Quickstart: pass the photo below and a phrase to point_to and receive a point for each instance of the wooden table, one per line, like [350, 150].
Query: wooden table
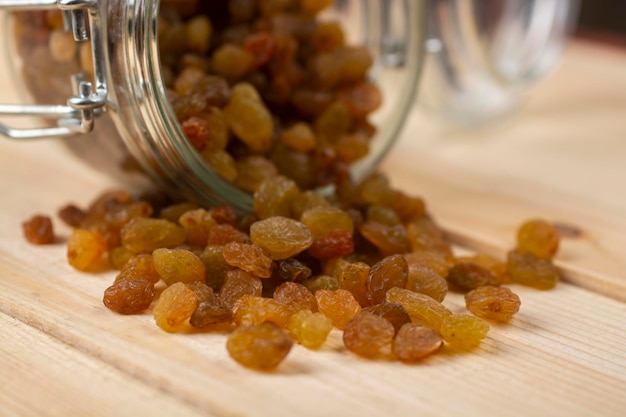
[561, 156]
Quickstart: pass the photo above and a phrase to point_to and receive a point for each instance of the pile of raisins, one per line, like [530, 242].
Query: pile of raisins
[275, 101]
[369, 261]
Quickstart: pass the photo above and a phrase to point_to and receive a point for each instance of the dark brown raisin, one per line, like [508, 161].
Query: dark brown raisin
[38, 230]
[129, 296]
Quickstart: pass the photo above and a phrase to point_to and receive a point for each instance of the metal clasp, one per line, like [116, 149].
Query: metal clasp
[77, 116]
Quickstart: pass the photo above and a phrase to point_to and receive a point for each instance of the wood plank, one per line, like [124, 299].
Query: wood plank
[67, 382]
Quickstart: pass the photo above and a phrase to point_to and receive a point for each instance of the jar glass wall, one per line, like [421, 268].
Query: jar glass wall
[141, 110]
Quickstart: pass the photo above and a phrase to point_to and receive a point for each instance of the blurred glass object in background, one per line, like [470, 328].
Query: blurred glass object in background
[482, 56]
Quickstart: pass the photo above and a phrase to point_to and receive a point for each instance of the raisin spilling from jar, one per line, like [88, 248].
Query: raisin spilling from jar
[273, 98]
[265, 277]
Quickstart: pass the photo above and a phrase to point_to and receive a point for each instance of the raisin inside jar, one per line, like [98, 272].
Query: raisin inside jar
[233, 92]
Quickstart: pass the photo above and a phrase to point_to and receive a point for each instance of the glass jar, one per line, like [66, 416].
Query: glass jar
[117, 86]
[483, 56]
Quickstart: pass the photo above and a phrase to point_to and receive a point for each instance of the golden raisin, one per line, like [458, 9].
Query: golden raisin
[425, 280]
[334, 121]
[415, 341]
[222, 163]
[196, 129]
[197, 224]
[493, 303]
[369, 335]
[178, 265]
[259, 346]
[538, 237]
[233, 62]
[144, 235]
[118, 216]
[108, 201]
[217, 129]
[274, 197]
[85, 249]
[338, 305]
[261, 46]
[375, 189]
[300, 137]
[382, 215]
[323, 219]
[248, 117]
[463, 331]
[174, 307]
[186, 80]
[408, 207]
[352, 147]
[198, 31]
[281, 236]
[309, 329]
[249, 257]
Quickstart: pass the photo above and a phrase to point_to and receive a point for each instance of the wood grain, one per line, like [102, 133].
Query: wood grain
[483, 212]
[63, 353]
[67, 382]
